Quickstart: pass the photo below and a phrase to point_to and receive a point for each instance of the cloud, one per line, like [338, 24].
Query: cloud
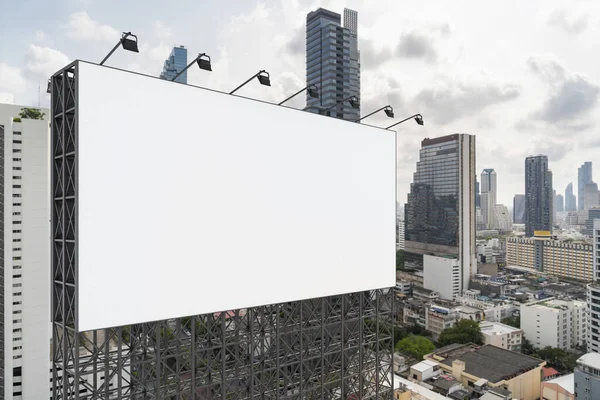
[162, 31]
[570, 95]
[297, 44]
[416, 45]
[457, 100]
[7, 98]
[11, 80]
[556, 150]
[82, 27]
[159, 52]
[43, 61]
[570, 24]
[372, 56]
[41, 37]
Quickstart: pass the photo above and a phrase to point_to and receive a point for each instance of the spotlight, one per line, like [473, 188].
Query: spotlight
[127, 43]
[202, 64]
[312, 90]
[389, 111]
[263, 78]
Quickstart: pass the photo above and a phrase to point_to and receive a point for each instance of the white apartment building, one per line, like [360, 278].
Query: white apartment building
[25, 294]
[502, 218]
[501, 335]
[400, 234]
[556, 323]
[593, 294]
[443, 275]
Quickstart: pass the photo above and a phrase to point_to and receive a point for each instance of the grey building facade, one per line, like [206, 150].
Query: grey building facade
[333, 61]
[584, 176]
[538, 195]
[587, 377]
[570, 199]
[560, 203]
[519, 209]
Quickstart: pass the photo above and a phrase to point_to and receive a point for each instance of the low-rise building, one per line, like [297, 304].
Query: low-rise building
[555, 323]
[424, 370]
[561, 388]
[492, 366]
[501, 335]
[443, 275]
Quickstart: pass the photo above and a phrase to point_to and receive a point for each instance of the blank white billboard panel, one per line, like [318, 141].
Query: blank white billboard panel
[192, 201]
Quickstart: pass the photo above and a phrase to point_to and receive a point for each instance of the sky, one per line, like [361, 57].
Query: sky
[523, 76]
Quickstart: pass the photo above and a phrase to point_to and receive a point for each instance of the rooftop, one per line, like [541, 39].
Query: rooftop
[590, 359]
[496, 328]
[549, 372]
[424, 366]
[567, 382]
[490, 362]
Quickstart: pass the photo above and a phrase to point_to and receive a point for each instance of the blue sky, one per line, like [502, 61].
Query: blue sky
[524, 76]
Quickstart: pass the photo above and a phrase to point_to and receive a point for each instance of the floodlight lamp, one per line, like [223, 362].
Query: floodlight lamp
[263, 78]
[313, 91]
[129, 44]
[204, 63]
[389, 111]
[354, 103]
[419, 119]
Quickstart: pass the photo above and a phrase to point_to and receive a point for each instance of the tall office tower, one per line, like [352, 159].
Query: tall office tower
[593, 293]
[519, 209]
[570, 199]
[25, 256]
[440, 212]
[560, 203]
[333, 62]
[488, 185]
[477, 194]
[591, 197]
[502, 218]
[176, 62]
[584, 176]
[538, 195]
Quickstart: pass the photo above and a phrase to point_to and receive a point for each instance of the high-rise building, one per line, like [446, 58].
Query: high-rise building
[25, 254]
[477, 194]
[590, 196]
[502, 219]
[333, 62]
[488, 185]
[538, 195]
[593, 293]
[519, 209]
[440, 212]
[560, 203]
[570, 199]
[176, 62]
[587, 377]
[584, 176]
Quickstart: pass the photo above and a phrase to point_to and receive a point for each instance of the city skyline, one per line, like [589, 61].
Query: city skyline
[427, 61]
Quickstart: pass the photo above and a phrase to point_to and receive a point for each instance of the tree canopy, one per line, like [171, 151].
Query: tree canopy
[400, 260]
[415, 346]
[512, 321]
[557, 358]
[464, 331]
[31, 113]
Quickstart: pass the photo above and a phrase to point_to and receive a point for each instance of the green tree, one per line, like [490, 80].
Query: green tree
[557, 358]
[526, 347]
[512, 321]
[31, 113]
[464, 331]
[400, 260]
[415, 346]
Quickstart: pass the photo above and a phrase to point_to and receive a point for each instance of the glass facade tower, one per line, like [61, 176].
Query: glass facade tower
[538, 195]
[176, 62]
[570, 200]
[333, 61]
[584, 176]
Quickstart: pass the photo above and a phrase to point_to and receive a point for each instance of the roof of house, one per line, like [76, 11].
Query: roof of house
[424, 366]
[549, 372]
[492, 363]
[590, 359]
[444, 382]
[567, 382]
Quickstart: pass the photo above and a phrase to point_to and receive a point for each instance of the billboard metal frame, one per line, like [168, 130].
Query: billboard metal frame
[336, 347]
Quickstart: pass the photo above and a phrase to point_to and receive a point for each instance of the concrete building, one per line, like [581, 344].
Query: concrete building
[400, 235]
[584, 176]
[501, 335]
[587, 377]
[333, 61]
[561, 388]
[538, 195]
[591, 197]
[502, 220]
[593, 295]
[176, 63]
[25, 293]
[555, 323]
[424, 370]
[440, 212]
[489, 197]
[551, 256]
[442, 275]
[519, 209]
[570, 199]
[559, 202]
[593, 213]
[499, 368]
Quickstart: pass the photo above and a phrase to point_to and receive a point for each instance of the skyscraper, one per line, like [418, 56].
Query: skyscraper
[519, 209]
[176, 62]
[570, 199]
[440, 212]
[560, 203]
[590, 196]
[584, 176]
[538, 195]
[488, 185]
[333, 61]
[477, 194]
[25, 254]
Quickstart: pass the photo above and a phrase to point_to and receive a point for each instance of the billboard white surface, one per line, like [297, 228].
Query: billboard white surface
[192, 201]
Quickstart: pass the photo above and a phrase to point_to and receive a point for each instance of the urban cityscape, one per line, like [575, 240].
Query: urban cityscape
[287, 240]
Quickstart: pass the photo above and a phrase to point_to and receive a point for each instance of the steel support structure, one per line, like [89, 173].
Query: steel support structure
[337, 347]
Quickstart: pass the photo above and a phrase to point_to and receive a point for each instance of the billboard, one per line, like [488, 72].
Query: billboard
[193, 201]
